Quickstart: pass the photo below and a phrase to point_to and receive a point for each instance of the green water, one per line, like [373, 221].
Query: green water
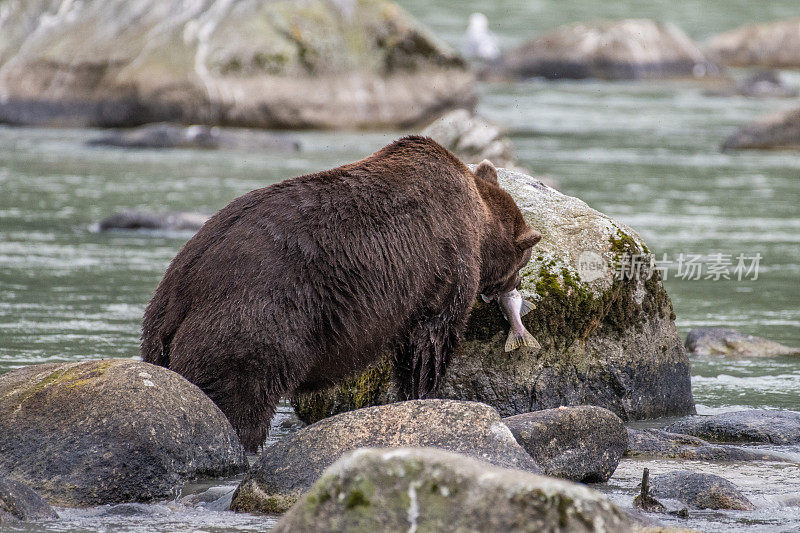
[646, 154]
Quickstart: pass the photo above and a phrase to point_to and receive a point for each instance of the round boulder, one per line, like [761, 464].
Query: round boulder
[611, 50]
[700, 491]
[289, 467]
[423, 489]
[758, 425]
[583, 443]
[18, 503]
[110, 431]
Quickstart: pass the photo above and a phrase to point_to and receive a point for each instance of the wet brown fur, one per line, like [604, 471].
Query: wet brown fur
[295, 286]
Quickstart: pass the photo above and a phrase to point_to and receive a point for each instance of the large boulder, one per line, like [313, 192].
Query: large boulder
[18, 503]
[771, 45]
[282, 63]
[657, 443]
[434, 490]
[723, 341]
[583, 443]
[289, 467]
[700, 491]
[779, 131]
[758, 425]
[110, 431]
[611, 50]
[608, 337]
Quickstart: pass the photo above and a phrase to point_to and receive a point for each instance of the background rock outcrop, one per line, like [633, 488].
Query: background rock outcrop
[611, 50]
[426, 489]
[289, 467]
[251, 63]
[608, 340]
[110, 431]
[758, 425]
[772, 45]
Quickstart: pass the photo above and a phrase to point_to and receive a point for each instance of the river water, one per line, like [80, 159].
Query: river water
[645, 153]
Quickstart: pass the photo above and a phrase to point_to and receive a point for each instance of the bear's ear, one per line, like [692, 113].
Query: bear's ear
[486, 172]
[527, 239]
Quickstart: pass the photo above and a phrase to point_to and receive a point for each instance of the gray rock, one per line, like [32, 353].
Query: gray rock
[583, 443]
[612, 50]
[110, 431]
[762, 84]
[164, 135]
[133, 219]
[473, 138]
[758, 425]
[289, 467]
[249, 63]
[18, 503]
[426, 489]
[770, 45]
[666, 445]
[780, 131]
[700, 491]
[723, 341]
[607, 340]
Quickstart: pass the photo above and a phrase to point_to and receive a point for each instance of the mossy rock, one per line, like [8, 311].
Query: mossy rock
[425, 489]
[608, 340]
[110, 431]
[281, 63]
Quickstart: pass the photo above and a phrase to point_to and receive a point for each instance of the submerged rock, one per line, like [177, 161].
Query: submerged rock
[165, 135]
[110, 431]
[758, 425]
[426, 489]
[18, 503]
[771, 45]
[666, 445]
[607, 340]
[250, 63]
[133, 219]
[583, 443]
[611, 50]
[723, 341]
[289, 467]
[780, 131]
[700, 491]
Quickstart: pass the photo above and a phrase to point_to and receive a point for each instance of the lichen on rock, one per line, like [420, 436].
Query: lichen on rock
[608, 340]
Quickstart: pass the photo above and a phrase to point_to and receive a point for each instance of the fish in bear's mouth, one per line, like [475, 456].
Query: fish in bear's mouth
[514, 307]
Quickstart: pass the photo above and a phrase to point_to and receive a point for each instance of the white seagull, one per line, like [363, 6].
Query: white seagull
[479, 42]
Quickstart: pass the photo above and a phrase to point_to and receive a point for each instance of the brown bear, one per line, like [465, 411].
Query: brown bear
[293, 287]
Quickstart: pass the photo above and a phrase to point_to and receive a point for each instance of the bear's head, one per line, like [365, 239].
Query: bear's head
[506, 246]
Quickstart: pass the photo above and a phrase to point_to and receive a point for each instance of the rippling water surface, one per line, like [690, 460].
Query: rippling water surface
[647, 154]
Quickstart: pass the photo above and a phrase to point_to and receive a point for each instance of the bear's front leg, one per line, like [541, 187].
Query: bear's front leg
[421, 359]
